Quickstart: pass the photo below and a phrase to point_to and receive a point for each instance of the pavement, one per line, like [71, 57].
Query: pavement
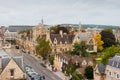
[61, 75]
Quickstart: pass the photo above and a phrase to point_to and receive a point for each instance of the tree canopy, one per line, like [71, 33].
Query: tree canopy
[79, 48]
[99, 41]
[89, 72]
[108, 38]
[23, 31]
[110, 52]
[43, 48]
[56, 29]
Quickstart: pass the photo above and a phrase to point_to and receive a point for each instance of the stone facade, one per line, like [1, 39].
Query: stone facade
[99, 72]
[12, 71]
[113, 69]
[117, 34]
[88, 37]
[63, 59]
[60, 42]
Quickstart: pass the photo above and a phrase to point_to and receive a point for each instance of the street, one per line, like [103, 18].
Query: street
[35, 64]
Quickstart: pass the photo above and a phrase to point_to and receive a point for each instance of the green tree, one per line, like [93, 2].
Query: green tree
[43, 48]
[110, 52]
[51, 59]
[23, 31]
[79, 48]
[89, 72]
[77, 76]
[108, 38]
[56, 29]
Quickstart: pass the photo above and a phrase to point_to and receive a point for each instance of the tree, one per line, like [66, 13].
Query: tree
[110, 52]
[108, 38]
[99, 41]
[23, 31]
[51, 59]
[56, 29]
[43, 48]
[89, 72]
[77, 76]
[79, 48]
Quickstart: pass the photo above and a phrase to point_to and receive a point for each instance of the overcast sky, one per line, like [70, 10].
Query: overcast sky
[30, 12]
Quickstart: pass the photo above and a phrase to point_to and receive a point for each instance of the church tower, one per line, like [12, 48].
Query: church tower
[79, 27]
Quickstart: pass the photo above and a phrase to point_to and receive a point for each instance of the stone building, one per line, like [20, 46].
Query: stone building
[60, 42]
[64, 59]
[99, 72]
[112, 70]
[117, 34]
[12, 68]
[87, 37]
[12, 31]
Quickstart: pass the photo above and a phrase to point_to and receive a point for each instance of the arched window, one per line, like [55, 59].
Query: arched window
[90, 47]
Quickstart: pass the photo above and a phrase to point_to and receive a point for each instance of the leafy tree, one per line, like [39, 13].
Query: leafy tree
[89, 72]
[43, 48]
[23, 31]
[77, 76]
[99, 41]
[79, 48]
[57, 28]
[110, 52]
[51, 59]
[108, 38]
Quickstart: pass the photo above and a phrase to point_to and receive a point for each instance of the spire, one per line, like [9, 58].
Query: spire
[79, 27]
[42, 22]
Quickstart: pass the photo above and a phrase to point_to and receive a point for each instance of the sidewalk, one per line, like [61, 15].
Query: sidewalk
[61, 75]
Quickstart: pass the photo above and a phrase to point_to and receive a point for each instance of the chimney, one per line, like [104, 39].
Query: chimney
[61, 33]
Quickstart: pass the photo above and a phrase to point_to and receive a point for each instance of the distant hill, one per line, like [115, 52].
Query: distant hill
[92, 26]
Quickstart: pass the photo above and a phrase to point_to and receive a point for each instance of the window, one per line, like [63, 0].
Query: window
[117, 75]
[11, 72]
[90, 45]
[110, 73]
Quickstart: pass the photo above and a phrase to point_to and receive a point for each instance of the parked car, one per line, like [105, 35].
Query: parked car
[32, 74]
[28, 68]
[37, 77]
[43, 65]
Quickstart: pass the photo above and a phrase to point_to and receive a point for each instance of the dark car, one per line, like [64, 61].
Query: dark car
[43, 65]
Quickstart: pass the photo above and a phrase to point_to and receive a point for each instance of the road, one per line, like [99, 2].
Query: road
[35, 64]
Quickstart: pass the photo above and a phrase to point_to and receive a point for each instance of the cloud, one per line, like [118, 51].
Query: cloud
[62, 11]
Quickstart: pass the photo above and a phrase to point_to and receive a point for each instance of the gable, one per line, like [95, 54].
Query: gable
[7, 31]
[12, 65]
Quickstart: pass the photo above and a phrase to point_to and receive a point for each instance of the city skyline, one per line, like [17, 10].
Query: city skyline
[30, 12]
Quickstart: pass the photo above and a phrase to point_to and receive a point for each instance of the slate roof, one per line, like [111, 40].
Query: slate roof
[17, 28]
[101, 68]
[3, 53]
[66, 38]
[17, 59]
[114, 62]
[73, 58]
[84, 36]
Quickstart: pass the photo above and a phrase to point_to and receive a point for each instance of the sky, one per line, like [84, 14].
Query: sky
[30, 12]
